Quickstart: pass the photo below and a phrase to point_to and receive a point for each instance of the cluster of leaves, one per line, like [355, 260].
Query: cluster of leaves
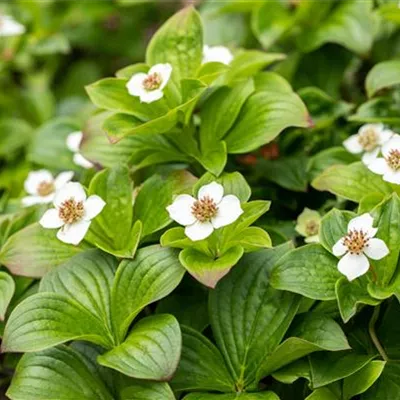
[137, 310]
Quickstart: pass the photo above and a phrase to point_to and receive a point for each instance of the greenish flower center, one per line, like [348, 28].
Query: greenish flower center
[45, 188]
[368, 139]
[152, 82]
[393, 159]
[71, 211]
[312, 228]
[356, 241]
[204, 209]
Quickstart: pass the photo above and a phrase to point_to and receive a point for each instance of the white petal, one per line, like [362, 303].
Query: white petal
[385, 135]
[213, 190]
[82, 161]
[135, 84]
[74, 140]
[370, 156]
[35, 178]
[51, 219]
[62, 179]
[229, 211]
[352, 145]
[379, 166]
[181, 210]
[363, 223]
[73, 233]
[392, 144]
[392, 177]
[164, 70]
[31, 200]
[199, 230]
[153, 95]
[93, 206]
[378, 128]
[217, 54]
[312, 239]
[376, 249]
[10, 27]
[353, 265]
[339, 248]
[72, 190]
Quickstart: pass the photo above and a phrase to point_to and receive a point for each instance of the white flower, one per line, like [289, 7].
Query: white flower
[211, 210]
[74, 140]
[73, 213]
[357, 245]
[219, 54]
[10, 27]
[42, 187]
[389, 165]
[368, 140]
[149, 87]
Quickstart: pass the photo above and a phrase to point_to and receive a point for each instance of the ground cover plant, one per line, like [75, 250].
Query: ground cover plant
[200, 200]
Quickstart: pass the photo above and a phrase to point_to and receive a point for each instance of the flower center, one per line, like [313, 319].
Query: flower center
[312, 228]
[71, 211]
[393, 159]
[204, 209]
[368, 139]
[152, 82]
[356, 241]
[45, 188]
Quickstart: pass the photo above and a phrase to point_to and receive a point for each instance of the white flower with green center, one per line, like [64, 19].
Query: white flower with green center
[211, 210]
[219, 54]
[10, 27]
[359, 244]
[149, 87]
[74, 141]
[308, 223]
[73, 213]
[42, 186]
[368, 141]
[389, 164]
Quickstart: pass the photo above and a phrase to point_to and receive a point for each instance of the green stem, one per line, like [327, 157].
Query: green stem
[372, 333]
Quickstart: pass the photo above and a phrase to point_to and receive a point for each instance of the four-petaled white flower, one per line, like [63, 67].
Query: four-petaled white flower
[308, 223]
[73, 213]
[389, 164]
[211, 210]
[149, 87]
[10, 27]
[74, 140]
[219, 54]
[357, 245]
[368, 140]
[42, 186]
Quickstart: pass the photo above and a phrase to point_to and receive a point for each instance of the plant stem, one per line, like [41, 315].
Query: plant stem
[372, 333]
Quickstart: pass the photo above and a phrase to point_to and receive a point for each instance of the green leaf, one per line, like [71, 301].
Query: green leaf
[153, 274]
[49, 148]
[7, 289]
[263, 117]
[155, 195]
[331, 367]
[309, 270]
[151, 351]
[47, 319]
[201, 366]
[208, 269]
[351, 24]
[209, 72]
[322, 394]
[362, 380]
[59, 373]
[233, 396]
[34, 251]
[293, 371]
[310, 333]
[247, 331]
[387, 386]
[112, 230]
[352, 182]
[178, 42]
[382, 109]
[22, 134]
[253, 239]
[214, 157]
[381, 76]
[147, 390]
[233, 183]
